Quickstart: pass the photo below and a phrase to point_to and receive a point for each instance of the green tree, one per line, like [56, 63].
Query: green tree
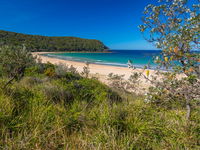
[14, 61]
[44, 43]
[174, 27]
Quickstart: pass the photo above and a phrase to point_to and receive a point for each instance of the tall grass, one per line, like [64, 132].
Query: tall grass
[78, 113]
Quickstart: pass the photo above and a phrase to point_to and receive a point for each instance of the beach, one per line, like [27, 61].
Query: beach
[100, 71]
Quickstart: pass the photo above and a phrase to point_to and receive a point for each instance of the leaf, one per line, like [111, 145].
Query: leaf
[166, 59]
[147, 73]
[176, 50]
[171, 58]
[191, 69]
[170, 49]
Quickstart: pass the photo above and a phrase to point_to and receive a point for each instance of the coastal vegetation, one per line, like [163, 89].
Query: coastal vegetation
[46, 106]
[37, 43]
[173, 26]
[54, 107]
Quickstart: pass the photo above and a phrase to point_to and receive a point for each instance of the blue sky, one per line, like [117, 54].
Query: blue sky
[115, 22]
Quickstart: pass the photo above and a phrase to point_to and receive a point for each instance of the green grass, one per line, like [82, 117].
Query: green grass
[78, 113]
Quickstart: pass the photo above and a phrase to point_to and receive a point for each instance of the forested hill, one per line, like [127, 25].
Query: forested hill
[44, 43]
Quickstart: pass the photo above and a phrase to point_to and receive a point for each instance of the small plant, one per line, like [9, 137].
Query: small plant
[50, 72]
[72, 69]
[117, 81]
[86, 70]
[131, 85]
[170, 91]
[61, 70]
[133, 82]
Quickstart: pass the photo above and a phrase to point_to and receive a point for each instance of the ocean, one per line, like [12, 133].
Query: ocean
[140, 58]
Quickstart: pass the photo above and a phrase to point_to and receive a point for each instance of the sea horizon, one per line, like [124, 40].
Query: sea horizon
[139, 58]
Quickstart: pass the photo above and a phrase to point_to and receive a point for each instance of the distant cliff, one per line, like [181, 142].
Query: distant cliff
[37, 43]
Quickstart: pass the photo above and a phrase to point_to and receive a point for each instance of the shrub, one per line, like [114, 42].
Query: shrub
[39, 117]
[21, 98]
[71, 76]
[57, 95]
[30, 81]
[50, 72]
[61, 70]
[118, 82]
[33, 70]
[91, 90]
[14, 61]
[172, 92]
[86, 70]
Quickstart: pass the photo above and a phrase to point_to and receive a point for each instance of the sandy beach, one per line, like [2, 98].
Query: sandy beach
[99, 71]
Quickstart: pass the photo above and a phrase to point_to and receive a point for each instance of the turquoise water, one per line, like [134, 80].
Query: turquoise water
[140, 58]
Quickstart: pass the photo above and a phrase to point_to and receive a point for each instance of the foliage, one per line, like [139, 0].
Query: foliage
[86, 70]
[171, 92]
[32, 118]
[173, 26]
[14, 61]
[36, 43]
[57, 94]
[61, 70]
[119, 83]
[68, 111]
[50, 72]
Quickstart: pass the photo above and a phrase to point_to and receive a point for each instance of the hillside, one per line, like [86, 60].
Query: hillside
[54, 107]
[44, 43]
[50, 107]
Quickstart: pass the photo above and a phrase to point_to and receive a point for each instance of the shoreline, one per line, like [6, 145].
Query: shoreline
[60, 52]
[99, 71]
[79, 64]
[44, 54]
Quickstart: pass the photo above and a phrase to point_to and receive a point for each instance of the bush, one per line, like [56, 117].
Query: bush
[20, 98]
[33, 71]
[71, 76]
[30, 81]
[76, 114]
[61, 70]
[67, 111]
[57, 95]
[172, 93]
[92, 90]
[14, 61]
[50, 72]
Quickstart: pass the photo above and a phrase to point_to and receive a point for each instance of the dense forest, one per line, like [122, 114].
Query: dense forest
[44, 43]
